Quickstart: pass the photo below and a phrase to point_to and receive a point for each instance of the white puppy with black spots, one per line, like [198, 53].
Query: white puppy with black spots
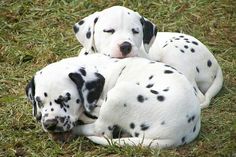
[154, 104]
[120, 32]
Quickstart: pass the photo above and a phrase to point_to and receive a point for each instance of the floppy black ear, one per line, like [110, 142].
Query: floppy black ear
[149, 33]
[30, 92]
[89, 90]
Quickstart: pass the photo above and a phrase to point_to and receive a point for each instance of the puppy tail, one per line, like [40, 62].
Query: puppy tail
[213, 89]
[132, 141]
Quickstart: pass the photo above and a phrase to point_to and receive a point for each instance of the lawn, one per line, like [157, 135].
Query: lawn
[36, 33]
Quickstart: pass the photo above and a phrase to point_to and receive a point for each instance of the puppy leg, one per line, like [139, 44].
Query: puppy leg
[85, 130]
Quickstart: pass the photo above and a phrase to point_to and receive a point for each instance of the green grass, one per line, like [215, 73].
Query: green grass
[36, 33]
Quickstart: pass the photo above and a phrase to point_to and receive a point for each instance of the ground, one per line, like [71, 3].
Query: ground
[36, 33]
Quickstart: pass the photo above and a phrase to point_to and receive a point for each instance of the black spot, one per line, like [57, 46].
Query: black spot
[154, 92]
[76, 30]
[185, 38]
[125, 105]
[95, 20]
[38, 99]
[77, 101]
[189, 120]
[160, 98]
[197, 69]
[181, 50]
[183, 139]
[50, 103]
[165, 45]
[132, 125]
[176, 38]
[110, 128]
[195, 89]
[68, 96]
[209, 63]
[138, 83]
[90, 85]
[81, 22]
[171, 40]
[166, 89]
[194, 128]
[192, 50]
[163, 122]
[62, 119]
[144, 127]
[150, 77]
[106, 98]
[194, 42]
[186, 46]
[129, 13]
[41, 72]
[140, 98]
[149, 85]
[82, 71]
[88, 34]
[117, 132]
[168, 71]
[52, 109]
[64, 109]
[136, 134]
[45, 94]
[86, 53]
[181, 36]
[92, 96]
[193, 117]
[187, 41]
[176, 46]
[152, 62]
[92, 48]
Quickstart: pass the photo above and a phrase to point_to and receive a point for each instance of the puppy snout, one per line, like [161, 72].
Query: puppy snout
[125, 48]
[50, 124]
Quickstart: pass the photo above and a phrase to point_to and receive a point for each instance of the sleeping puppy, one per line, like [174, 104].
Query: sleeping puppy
[154, 104]
[120, 32]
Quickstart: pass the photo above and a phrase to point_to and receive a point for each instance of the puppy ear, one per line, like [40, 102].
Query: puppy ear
[30, 92]
[89, 90]
[149, 33]
[84, 32]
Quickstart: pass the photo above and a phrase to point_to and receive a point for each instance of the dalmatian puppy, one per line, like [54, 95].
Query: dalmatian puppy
[155, 107]
[124, 38]
[57, 97]
[120, 32]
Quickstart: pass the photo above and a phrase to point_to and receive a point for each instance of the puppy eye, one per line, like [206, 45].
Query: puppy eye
[109, 31]
[135, 31]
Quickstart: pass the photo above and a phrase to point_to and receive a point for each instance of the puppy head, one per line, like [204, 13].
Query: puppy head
[117, 31]
[59, 95]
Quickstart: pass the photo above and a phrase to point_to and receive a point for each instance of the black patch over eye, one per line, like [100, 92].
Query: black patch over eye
[135, 31]
[109, 31]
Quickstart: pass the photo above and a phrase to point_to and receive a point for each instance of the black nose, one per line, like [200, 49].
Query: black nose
[50, 124]
[125, 48]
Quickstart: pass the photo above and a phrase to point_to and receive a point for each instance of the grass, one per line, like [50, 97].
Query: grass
[36, 33]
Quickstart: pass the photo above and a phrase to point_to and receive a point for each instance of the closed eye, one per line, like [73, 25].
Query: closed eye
[135, 31]
[109, 31]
